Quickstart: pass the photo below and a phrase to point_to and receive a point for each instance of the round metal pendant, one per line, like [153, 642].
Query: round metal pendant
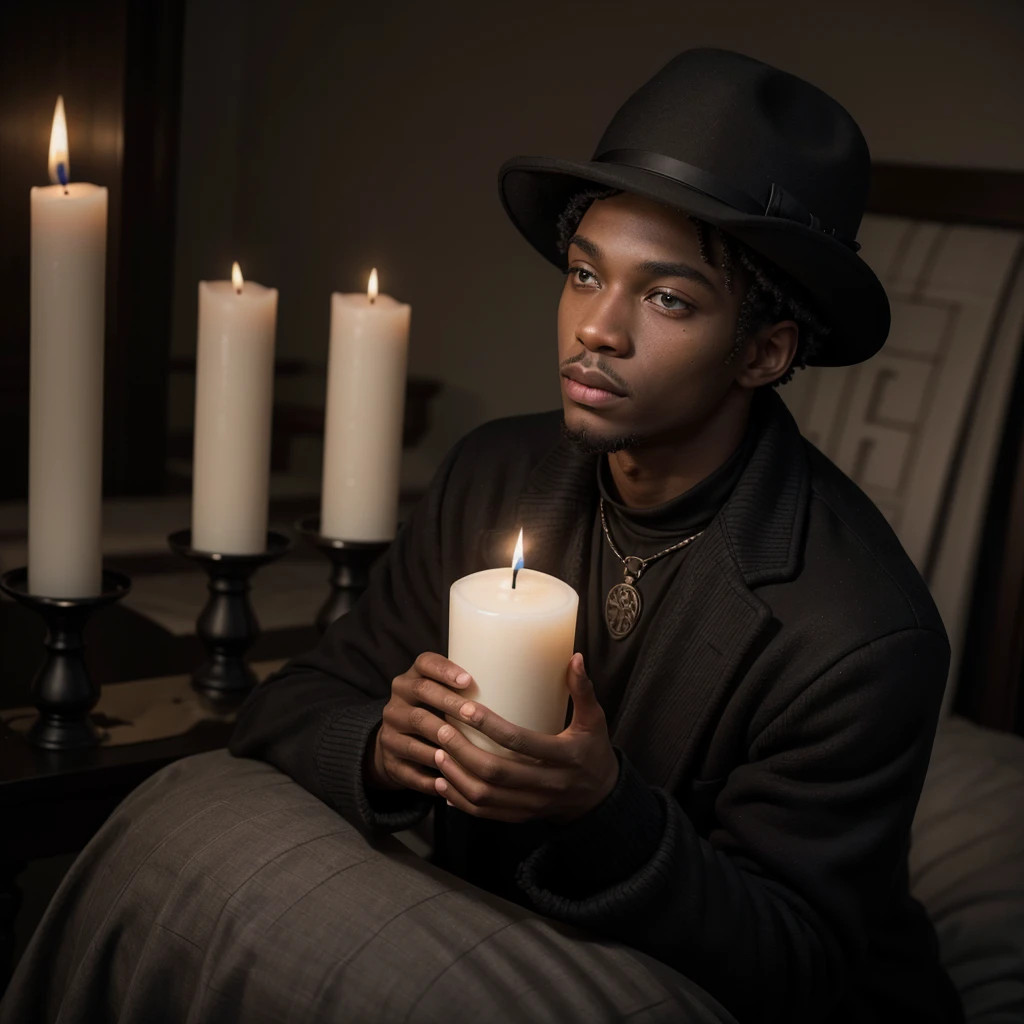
[622, 609]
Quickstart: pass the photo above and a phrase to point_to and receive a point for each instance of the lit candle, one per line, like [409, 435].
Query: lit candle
[365, 410]
[234, 397]
[65, 475]
[516, 642]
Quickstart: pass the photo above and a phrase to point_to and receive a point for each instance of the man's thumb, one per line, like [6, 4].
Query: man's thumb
[580, 685]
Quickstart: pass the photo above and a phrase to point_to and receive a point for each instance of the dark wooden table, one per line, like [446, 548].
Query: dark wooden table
[53, 803]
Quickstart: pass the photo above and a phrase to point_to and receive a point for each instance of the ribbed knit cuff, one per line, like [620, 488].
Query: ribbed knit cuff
[604, 847]
[340, 754]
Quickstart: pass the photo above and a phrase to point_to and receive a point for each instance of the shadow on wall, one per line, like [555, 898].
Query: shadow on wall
[453, 414]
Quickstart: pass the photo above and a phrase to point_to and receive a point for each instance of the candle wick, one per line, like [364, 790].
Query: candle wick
[373, 299]
[515, 573]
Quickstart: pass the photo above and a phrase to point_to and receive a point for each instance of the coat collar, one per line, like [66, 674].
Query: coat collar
[710, 621]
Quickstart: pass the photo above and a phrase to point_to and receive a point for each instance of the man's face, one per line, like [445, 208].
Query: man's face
[643, 314]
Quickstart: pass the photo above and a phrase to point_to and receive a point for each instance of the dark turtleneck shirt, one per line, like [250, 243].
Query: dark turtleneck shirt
[643, 532]
[488, 852]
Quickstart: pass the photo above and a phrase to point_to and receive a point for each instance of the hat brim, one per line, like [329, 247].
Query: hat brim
[846, 292]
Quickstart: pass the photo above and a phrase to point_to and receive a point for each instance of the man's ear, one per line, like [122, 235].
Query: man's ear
[767, 354]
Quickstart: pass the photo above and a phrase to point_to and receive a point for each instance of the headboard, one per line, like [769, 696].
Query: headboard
[953, 195]
[989, 679]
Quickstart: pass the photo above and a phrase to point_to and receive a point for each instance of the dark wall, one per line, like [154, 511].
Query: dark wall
[117, 64]
[320, 139]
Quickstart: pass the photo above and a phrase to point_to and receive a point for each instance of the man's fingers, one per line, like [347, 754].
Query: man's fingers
[411, 775]
[437, 666]
[483, 793]
[404, 747]
[587, 712]
[539, 745]
[423, 691]
[459, 801]
[496, 769]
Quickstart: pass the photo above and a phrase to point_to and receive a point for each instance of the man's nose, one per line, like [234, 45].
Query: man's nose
[604, 327]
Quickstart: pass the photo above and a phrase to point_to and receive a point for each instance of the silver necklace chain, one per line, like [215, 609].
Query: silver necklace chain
[640, 563]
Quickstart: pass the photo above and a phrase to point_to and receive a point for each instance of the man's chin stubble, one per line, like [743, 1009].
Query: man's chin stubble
[590, 443]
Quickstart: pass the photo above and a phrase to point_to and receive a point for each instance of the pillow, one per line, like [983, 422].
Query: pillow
[967, 865]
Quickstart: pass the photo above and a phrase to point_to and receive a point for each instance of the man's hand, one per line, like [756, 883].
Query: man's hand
[402, 756]
[573, 773]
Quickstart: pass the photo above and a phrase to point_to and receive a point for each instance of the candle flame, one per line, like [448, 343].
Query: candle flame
[58, 164]
[371, 288]
[517, 558]
[237, 280]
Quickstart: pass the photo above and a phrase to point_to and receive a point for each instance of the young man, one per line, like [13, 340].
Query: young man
[760, 666]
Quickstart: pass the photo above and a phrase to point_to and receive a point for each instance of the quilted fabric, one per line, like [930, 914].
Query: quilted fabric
[967, 865]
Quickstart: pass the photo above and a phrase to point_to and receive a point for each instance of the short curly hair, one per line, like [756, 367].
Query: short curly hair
[771, 295]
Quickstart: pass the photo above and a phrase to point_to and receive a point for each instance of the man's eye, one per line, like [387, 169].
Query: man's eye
[582, 276]
[669, 301]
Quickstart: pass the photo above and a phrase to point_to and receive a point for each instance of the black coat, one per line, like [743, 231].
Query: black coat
[773, 738]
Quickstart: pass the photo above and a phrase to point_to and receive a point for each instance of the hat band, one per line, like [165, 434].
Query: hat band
[779, 203]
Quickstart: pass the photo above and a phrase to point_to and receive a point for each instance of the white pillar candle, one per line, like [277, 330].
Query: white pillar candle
[365, 411]
[234, 398]
[65, 475]
[516, 643]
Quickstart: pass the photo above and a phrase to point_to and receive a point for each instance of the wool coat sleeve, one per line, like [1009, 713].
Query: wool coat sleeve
[315, 718]
[808, 841]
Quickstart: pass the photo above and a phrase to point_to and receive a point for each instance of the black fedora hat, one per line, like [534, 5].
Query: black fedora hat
[762, 154]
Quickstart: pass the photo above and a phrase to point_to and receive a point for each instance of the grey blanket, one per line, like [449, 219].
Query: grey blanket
[221, 891]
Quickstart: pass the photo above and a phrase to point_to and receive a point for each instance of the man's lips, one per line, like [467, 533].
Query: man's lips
[585, 395]
[593, 379]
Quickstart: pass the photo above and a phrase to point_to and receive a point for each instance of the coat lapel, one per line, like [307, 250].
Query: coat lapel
[703, 631]
[711, 622]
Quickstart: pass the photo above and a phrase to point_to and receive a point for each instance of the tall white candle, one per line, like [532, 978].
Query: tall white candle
[65, 475]
[516, 643]
[234, 397]
[365, 411]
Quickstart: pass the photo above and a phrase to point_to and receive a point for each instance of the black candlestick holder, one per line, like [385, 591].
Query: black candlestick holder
[350, 568]
[62, 689]
[227, 625]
